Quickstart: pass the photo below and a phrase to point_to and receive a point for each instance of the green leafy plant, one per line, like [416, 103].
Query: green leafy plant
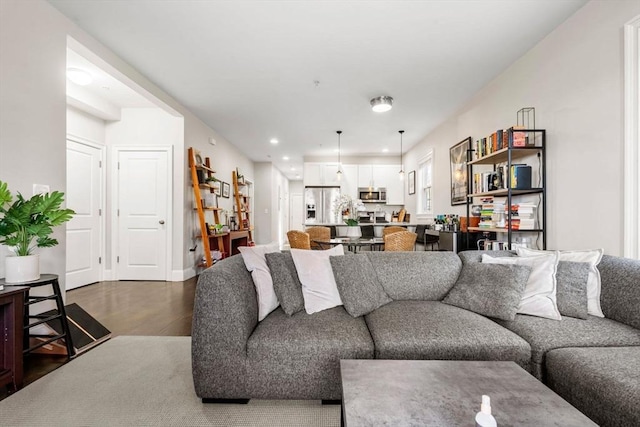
[351, 222]
[26, 220]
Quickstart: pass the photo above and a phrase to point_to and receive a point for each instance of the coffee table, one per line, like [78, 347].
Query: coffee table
[448, 393]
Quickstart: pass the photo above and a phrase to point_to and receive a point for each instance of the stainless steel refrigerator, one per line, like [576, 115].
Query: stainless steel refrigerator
[319, 204]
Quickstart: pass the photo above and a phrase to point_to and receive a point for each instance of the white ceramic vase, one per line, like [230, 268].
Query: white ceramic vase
[354, 232]
[20, 269]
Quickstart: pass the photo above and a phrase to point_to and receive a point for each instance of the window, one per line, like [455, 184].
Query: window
[425, 186]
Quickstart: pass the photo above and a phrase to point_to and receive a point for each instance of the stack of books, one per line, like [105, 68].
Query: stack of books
[486, 214]
[523, 216]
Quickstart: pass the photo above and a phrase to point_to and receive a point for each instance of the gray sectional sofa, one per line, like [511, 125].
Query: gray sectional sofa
[592, 363]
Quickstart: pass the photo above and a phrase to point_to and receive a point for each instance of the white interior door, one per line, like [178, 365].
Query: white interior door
[296, 212]
[84, 196]
[144, 193]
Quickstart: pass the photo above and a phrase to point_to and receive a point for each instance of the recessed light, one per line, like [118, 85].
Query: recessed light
[273, 141]
[292, 169]
[285, 157]
[297, 176]
[79, 77]
[385, 150]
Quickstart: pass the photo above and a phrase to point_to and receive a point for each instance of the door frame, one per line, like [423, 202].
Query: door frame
[103, 197]
[631, 199]
[115, 226]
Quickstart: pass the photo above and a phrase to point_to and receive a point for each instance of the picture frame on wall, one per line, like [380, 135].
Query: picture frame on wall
[226, 188]
[458, 157]
[412, 182]
[217, 190]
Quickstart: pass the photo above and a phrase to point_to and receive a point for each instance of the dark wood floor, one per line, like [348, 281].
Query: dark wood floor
[125, 308]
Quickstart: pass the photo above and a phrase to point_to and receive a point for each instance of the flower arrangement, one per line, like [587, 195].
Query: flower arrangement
[348, 209]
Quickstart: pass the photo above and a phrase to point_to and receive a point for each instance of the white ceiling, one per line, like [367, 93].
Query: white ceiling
[300, 70]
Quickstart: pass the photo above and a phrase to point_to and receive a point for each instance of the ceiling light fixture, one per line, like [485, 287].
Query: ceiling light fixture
[380, 104]
[339, 173]
[273, 141]
[401, 173]
[285, 157]
[79, 77]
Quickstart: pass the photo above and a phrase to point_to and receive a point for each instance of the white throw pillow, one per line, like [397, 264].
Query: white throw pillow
[319, 288]
[594, 283]
[254, 259]
[539, 297]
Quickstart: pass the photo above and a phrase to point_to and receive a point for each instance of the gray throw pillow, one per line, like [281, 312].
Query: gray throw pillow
[493, 290]
[571, 294]
[286, 284]
[360, 290]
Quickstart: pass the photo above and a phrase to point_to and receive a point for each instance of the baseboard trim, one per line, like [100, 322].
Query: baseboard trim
[108, 275]
[182, 275]
[331, 402]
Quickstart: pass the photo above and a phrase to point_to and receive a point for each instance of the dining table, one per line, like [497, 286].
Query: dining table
[352, 244]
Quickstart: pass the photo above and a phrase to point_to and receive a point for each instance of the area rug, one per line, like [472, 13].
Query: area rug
[144, 381]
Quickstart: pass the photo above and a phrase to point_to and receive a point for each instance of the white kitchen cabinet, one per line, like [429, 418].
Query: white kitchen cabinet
[330, 175]
[312, 174]
[321, 174]
[365, 176]
[349, 184]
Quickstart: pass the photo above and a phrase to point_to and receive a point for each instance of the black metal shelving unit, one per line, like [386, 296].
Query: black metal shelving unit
[535, 147]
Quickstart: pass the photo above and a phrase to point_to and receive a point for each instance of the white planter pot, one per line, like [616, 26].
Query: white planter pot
[354, 232]
[20, 269]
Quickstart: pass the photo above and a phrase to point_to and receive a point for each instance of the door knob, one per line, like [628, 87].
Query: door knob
[161, 222]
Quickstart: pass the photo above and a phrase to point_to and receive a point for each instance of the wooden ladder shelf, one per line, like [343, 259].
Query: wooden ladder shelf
[242, 206]
[207, 172]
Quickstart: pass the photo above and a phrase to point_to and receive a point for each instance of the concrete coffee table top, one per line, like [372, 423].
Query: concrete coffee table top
[448, 393]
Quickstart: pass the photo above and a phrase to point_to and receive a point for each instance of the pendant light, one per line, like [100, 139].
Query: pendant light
[401, 173]
[339, 173]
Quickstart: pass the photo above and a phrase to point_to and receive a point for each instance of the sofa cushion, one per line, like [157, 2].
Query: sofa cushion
[492, 290]
[319, 287]
[433, 330]
[539, 297]
[603, 383]
[545, 335]
[416, 275]
[359, 288]
[594, 282]
[572, 278]
[285, 281]
[468, 257]
[254, 259]
[283, 349]
[620, 293]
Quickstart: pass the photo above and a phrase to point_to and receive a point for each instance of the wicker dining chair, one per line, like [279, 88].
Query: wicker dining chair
[400, 241]
[318, 233]
[298, 239]
[392, 229]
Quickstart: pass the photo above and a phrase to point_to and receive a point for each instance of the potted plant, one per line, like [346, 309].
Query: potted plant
[26, 224]
[349, 208]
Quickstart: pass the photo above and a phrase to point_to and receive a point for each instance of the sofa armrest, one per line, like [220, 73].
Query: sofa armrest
[225, 313]
[620, 293]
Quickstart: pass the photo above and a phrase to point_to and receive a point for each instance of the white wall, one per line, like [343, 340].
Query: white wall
[33, 110]
[574, 80]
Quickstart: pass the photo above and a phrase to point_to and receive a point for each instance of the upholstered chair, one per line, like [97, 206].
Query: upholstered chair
[318, 233]
[400, 241]
[299, 239]
[392, 229]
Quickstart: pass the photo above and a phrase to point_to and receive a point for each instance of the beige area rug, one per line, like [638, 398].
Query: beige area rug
[144, 381]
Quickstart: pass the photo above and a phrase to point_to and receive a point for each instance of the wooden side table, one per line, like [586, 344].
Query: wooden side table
[11, 331]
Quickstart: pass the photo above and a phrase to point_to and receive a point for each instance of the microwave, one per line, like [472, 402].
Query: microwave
[374, 195]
